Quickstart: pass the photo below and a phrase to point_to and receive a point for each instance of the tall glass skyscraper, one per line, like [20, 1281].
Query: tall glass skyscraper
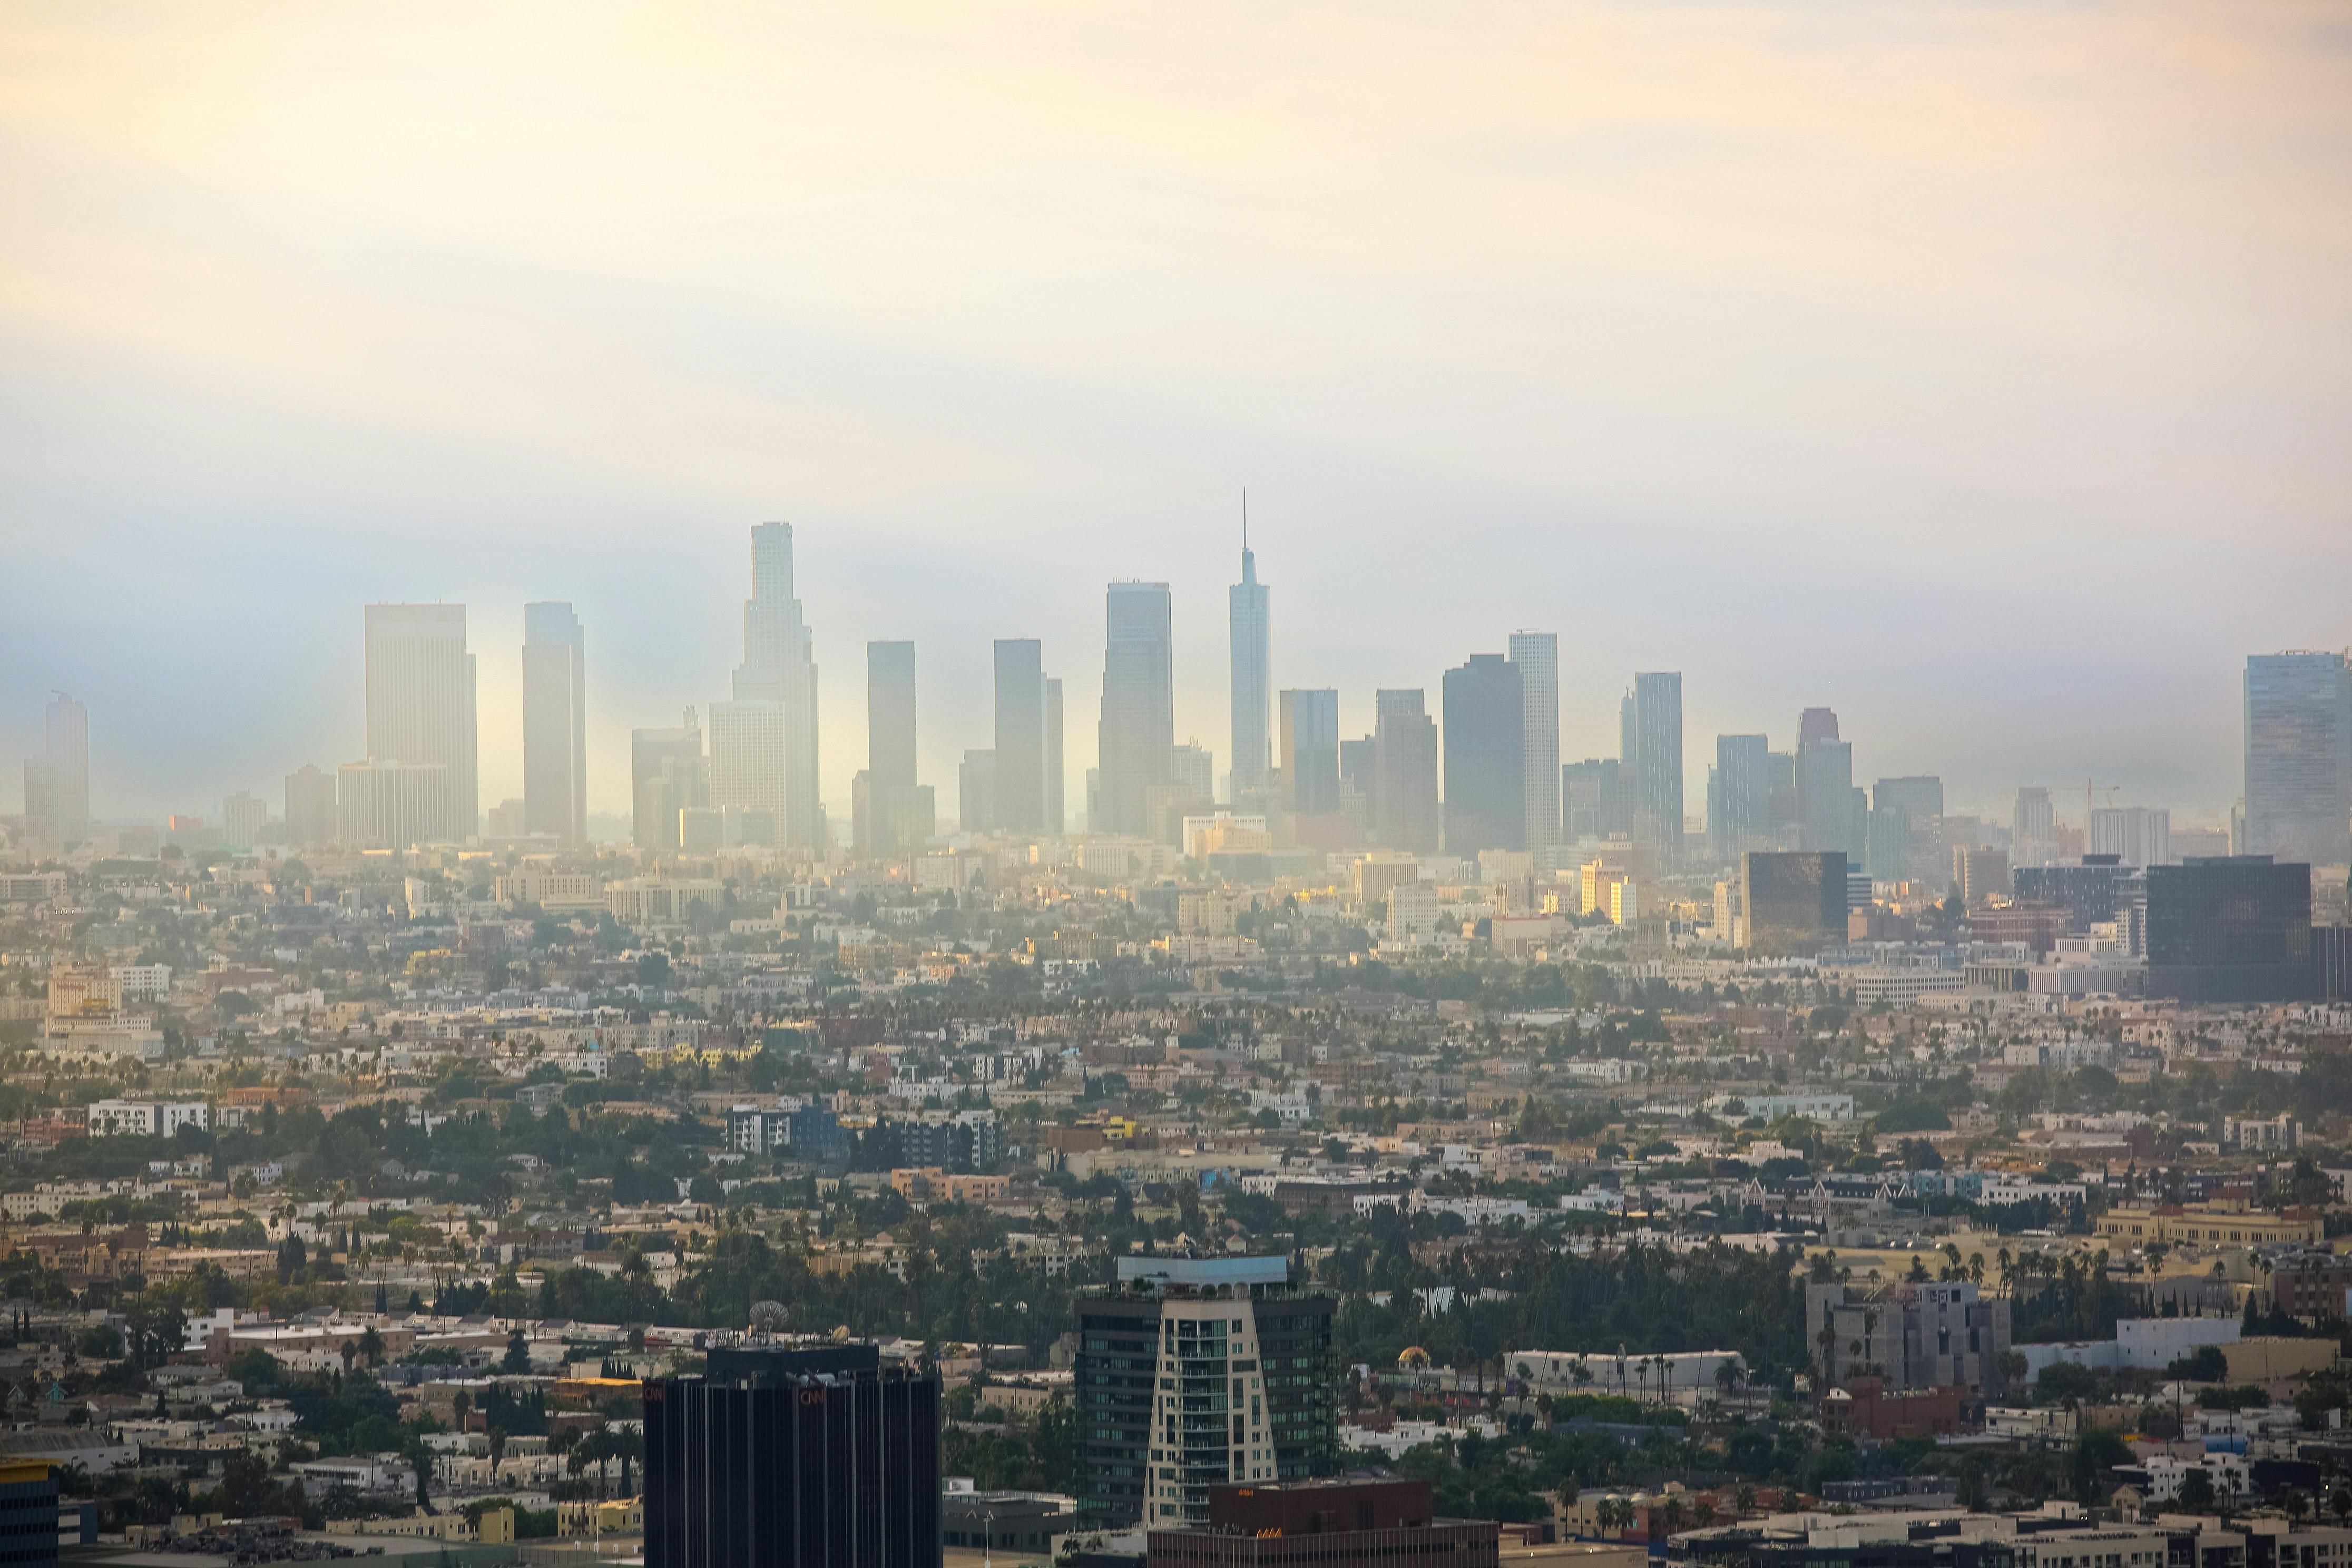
[890, 813]
[1138, 728]
[2299, 757]
[1536, 657]
[1485, 741]
[764, 744]
[1310, 751]
[1824, 783]
[554, 724]
[1739, 793]
[1020, 735]
[420, 709]
[1252, 676]
[57, 783]
[1657, 762]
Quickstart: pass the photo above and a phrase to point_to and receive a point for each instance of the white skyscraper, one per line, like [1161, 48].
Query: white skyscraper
[1252, 685]
[763, 751]
[1537, 654]
[420, 709]
[554, 724]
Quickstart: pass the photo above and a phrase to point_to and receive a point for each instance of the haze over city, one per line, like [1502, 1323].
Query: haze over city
[1975, 372]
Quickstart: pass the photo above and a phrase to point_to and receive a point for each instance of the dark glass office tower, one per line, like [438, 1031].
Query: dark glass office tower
[1196, 1372]
[1485, 745]
[793, 1458]
[2230, 928]
[2299, 756]
[1020, 735]
[1657, 762]
[1794, 902]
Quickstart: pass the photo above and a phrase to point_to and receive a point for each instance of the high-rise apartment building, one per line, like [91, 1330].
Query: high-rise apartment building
[390, 806]
[1020, 735]
[1536, 655]
[1657, 763]
[891, 816]
[1485, 751]
[242, 817]
[554, 724]
[2134, 835]
[1252, 676]
[2033, 827]
[420, 709]
[1738, 795]
[1309, 750]
[1824, 785]
[667, 774]
[309, 806]
[794, 1458]
[1138, 728]
[1405, 813]
[1197, 1372]
[2299, 757]
[764, 744]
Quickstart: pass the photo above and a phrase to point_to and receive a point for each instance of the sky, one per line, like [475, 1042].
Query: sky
[1980, 371]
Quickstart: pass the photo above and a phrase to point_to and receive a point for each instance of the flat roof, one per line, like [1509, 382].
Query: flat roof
[1206, 1270]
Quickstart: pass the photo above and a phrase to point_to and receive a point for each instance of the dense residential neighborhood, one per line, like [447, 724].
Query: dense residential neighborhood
[359, 1193]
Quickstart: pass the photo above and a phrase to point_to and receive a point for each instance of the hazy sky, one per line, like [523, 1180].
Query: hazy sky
[1981, 371]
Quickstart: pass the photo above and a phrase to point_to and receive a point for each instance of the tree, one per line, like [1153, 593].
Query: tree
[517, 1356]
[372, 1346]
[420, 1459]
[2196, 1491]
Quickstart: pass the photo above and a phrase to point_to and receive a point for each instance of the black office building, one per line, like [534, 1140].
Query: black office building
[1794, 901]
[28, 1513]
[2229, 928]
[793, 1458]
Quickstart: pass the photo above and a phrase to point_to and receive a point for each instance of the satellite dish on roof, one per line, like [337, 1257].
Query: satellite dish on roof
[768, 1318]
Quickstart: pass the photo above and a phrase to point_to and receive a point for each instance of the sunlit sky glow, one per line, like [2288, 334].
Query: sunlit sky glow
[1981, 371]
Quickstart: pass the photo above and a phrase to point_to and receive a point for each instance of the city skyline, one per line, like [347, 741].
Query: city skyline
[1787, 358]
[776, 628]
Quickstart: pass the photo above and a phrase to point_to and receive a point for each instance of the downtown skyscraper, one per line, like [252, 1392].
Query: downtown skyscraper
[1252, 676]
[57, 783]
[1656, 762]
[1486, 741]
[2299, 757]
[1023, 751]
[1405, 813]
[420, 717]
[1137, 735]
[554, 724]
[891, 816]
[1536, 655]
[764, 744]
